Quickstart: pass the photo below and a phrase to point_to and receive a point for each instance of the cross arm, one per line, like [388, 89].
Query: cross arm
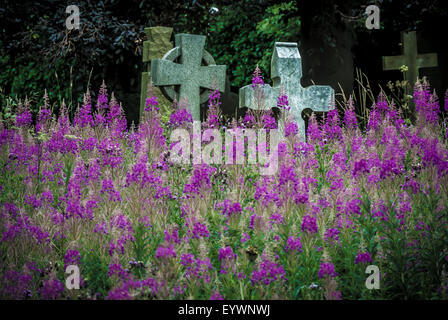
[319, 98]
[165, 73]
[249, 97]
[208, 75]
[427, 60]
[393, 62]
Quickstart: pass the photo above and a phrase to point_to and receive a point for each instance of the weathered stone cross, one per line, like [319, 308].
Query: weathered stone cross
[286, 72]
[410, 58]
[189, 74]
[158, 43]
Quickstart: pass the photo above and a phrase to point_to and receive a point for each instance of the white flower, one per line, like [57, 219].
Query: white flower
[313, 286]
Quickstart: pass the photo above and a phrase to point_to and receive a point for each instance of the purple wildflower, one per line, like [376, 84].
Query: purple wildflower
[245, 237]
[196, 268]
[173, 237]
[151, 104]
[228, 208]
[15, 285]
[446, 100]
[269, 122]
[255, 221]
[249, 119]
[382, 105]
[180, 117]
[293, 245]
[165, 252]
[309, 224]
[227, 257]
[72, 257]
[102, 98]
[267, 272]
[363, 258]
[313, 132]
[216, 296]
[257, 79]
[332, 235]
[327, 268]
[24, 119]
[350, 120]
[108, 188]
[117, 270]
[291, 129]
[52, 289]
[200, 230]
[213, 98]
[282, 102]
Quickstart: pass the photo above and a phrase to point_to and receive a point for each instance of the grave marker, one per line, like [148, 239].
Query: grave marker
[189, 74]
[410, 58]
[158, 43]
[286, 73]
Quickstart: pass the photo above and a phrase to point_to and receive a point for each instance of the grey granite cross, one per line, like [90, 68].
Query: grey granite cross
[189, 73]
[286, 72]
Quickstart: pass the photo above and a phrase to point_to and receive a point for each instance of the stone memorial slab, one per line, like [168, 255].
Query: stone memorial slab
[286, 73]
[158, 43]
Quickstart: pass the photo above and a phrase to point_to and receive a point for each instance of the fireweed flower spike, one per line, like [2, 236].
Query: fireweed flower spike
[151, 102]
[213, 111]
[446, 100]
[309, 224]
[327, 269]
[363, 258]
[102, 102]
[350, 120]
[282, 100]
[257, 79]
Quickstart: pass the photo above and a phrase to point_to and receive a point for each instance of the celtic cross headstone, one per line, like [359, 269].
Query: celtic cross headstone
[286, 73]
[189, 74]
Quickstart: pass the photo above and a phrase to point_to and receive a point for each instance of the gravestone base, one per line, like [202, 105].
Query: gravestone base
[164, 103]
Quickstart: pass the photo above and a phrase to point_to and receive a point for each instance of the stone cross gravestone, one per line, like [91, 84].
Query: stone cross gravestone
[189, 74]
[286, 73]
[158, 43]
[410, 58]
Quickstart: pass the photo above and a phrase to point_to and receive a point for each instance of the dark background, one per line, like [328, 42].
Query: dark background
[37, 52]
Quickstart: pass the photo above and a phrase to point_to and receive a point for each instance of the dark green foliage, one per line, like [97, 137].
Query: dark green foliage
[415, 262]
[94, 271]
[141, 249]
[242, 35]
[37, 51]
